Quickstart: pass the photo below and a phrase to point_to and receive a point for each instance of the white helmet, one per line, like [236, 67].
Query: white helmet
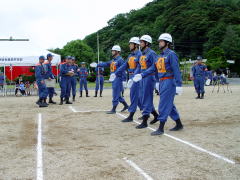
[116, 48]
[146, 38]
[166, 37]
[134, 40]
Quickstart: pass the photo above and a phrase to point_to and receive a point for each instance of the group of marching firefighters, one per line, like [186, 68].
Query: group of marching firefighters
[145, 68]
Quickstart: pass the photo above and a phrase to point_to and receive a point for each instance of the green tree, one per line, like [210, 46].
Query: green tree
[216, 58]
[231, 44]
[80, 50]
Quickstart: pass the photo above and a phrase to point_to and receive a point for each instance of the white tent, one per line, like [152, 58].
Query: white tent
[22, 53]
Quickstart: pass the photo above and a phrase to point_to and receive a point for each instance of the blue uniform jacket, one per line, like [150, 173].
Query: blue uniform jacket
[64, 69]
[146, 60]
[40, 72]
[199, 70]
[75, 69]
[114, 64]
[99, 71]
[131, 63]
[48, 69]
[166, 65]
[83, 73]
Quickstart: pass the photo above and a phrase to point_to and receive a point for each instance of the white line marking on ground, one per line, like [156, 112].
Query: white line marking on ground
[71, 108]
[189, 144]
[74, 110]
[39, 149]
[138, 169]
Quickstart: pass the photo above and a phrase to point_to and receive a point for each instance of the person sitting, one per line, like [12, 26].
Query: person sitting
[22, 88]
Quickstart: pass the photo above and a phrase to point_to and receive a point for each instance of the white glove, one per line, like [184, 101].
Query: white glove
[124, 84]
[129, 83]
[137, 77]
[157, 86]
[93, 65]
[112, 77]
[179, 90]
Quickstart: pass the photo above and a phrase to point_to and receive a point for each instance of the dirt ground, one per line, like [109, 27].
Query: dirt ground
[92, 145]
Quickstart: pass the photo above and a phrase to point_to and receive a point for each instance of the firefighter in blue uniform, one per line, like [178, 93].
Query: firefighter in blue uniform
[131, 66]
[167, 67]
[99, 80]
[66, 72]
[146, 60]
[40, 73]
[49, 75]
[74, 78]
[83, 74]
[114, 64]
[199, 73]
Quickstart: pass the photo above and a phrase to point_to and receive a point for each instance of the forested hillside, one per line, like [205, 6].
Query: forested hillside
[199, 27]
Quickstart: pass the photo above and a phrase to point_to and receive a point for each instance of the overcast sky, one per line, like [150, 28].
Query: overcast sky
[52, 23]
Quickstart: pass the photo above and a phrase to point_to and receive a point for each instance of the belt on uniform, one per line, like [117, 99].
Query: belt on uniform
[131, 72]
[164, 78]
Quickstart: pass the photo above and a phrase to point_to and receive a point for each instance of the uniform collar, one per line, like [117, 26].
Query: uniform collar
[146, 51]
[116, 58]
[166, 51]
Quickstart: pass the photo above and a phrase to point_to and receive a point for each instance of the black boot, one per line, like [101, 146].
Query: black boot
[155, 114]
[96, 93]
[113, 111]
[67, 101]
[100, 93]
[51, 101]
[87, 94]
[80, 94]
[198, 97]
[160, 130]
[45, 101]
[129, 118]
[144, 122]
[42, 104]
[73, 98]
[61, 101]
[38, 101]
[202, 96]
[178, 126]
[125, 106]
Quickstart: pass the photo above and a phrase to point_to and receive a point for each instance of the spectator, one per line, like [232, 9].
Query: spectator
[1, 80]
[16, 89]
[22, 88]
[27, 85]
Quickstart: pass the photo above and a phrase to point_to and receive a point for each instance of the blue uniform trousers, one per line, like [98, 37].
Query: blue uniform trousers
[99, 81]
[166, 106]
[135, 97]
[65, 87]
[73, 85]
[42, 90]
[199, 84]
[147, 94]
[50, 91]
[116, 92]
[83, 83]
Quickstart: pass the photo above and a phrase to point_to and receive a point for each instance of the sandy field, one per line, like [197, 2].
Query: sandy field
[78, 145]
